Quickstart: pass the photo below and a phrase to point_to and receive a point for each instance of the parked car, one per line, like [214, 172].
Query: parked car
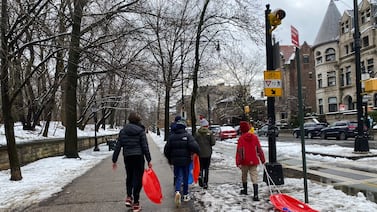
[263, 131]
[237, 128]
[311, 130]
[227, 132]
[214, 128]
[341, 130]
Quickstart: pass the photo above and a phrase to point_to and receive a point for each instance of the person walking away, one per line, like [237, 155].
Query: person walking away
[248, 151]
[132, 139]
[206, 140]
[178, 150]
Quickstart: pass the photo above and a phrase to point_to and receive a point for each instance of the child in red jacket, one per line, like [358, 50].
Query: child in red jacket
[248, 151]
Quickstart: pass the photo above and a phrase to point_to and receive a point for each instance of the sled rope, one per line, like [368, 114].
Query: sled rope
[269, 179]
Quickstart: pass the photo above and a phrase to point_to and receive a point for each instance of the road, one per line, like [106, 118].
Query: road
[326, 142]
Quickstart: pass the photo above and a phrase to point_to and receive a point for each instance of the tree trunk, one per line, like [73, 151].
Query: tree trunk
[5, 97]
[197, 66]
[167, 121]
[70, 147]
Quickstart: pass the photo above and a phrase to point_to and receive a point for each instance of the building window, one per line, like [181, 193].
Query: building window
[305, 58]
[348, 76]
[365, 41]
[365, 16]
[310, 75]
[330, 54]
[346, 49]
[319, 80]
[341, 78]
[318, 58]
[352, 47]
[333, 105]
[345, 27]
[331, 78]
[320, 106]
[349, 103]
[370, 67]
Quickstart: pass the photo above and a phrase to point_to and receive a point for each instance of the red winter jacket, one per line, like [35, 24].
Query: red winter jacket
[248, 150]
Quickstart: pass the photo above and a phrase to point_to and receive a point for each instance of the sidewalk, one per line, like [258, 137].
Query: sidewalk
[102, 190]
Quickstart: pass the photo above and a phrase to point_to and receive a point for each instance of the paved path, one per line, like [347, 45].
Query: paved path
[102, 190]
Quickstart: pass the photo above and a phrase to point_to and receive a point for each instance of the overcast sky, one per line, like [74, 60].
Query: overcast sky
[305, 15]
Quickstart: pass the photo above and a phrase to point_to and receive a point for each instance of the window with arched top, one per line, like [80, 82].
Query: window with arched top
[330, 54]
[349, 103]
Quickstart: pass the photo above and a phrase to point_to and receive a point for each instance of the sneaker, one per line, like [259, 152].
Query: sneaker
[136, 207]
[177, 199]
[128, 201]
[205, 186]
[186, 198]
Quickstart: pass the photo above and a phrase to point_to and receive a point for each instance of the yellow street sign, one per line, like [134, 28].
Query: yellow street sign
[272, 92]
[272, 75]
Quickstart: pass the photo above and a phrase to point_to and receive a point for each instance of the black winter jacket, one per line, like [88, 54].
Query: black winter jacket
[179, 148]
[134, 142]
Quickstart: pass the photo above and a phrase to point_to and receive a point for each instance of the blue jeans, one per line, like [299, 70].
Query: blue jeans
[181, 173]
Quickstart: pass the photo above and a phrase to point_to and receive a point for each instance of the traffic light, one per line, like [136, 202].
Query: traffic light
[275, 18]
[247, 109]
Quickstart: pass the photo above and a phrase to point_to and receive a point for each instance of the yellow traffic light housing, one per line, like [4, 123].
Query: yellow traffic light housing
[275, 18]
[247, 109]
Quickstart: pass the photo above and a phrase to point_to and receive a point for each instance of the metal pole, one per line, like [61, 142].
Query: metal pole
[209, 109]
[301, 121]
[95, 131]
[361, 141]
[274, 169]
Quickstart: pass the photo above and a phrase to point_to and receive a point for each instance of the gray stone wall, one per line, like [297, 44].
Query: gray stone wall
[35, 150]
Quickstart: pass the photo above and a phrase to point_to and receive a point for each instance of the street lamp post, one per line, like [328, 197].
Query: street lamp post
[361, 140]
[94, 110]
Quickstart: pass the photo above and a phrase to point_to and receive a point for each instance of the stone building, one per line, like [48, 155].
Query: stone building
[335, 60]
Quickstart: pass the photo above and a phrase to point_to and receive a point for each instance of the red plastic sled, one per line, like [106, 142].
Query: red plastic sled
[283, 202]
[196, 169]
[151, 186]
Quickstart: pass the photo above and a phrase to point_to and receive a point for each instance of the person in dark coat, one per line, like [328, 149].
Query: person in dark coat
[178, 150]
[133, 140]
[206, 140]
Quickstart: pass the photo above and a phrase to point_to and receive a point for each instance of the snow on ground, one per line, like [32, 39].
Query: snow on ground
[43, 178]
[226, 197]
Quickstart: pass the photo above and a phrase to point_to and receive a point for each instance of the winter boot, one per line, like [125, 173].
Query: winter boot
[200, 180]
[255, 188]
[244, 190]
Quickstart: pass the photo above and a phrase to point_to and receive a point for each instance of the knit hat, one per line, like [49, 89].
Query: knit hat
[244, 126]
[203, 123]
[177, 118]
[181, 122]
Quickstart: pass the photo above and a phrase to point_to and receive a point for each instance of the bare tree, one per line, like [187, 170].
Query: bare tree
[170, 24]
[216, 21]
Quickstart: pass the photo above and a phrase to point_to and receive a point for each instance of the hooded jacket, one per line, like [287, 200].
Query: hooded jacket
[180, 146]
[134, 142]
[206, 140]
[248, 150]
